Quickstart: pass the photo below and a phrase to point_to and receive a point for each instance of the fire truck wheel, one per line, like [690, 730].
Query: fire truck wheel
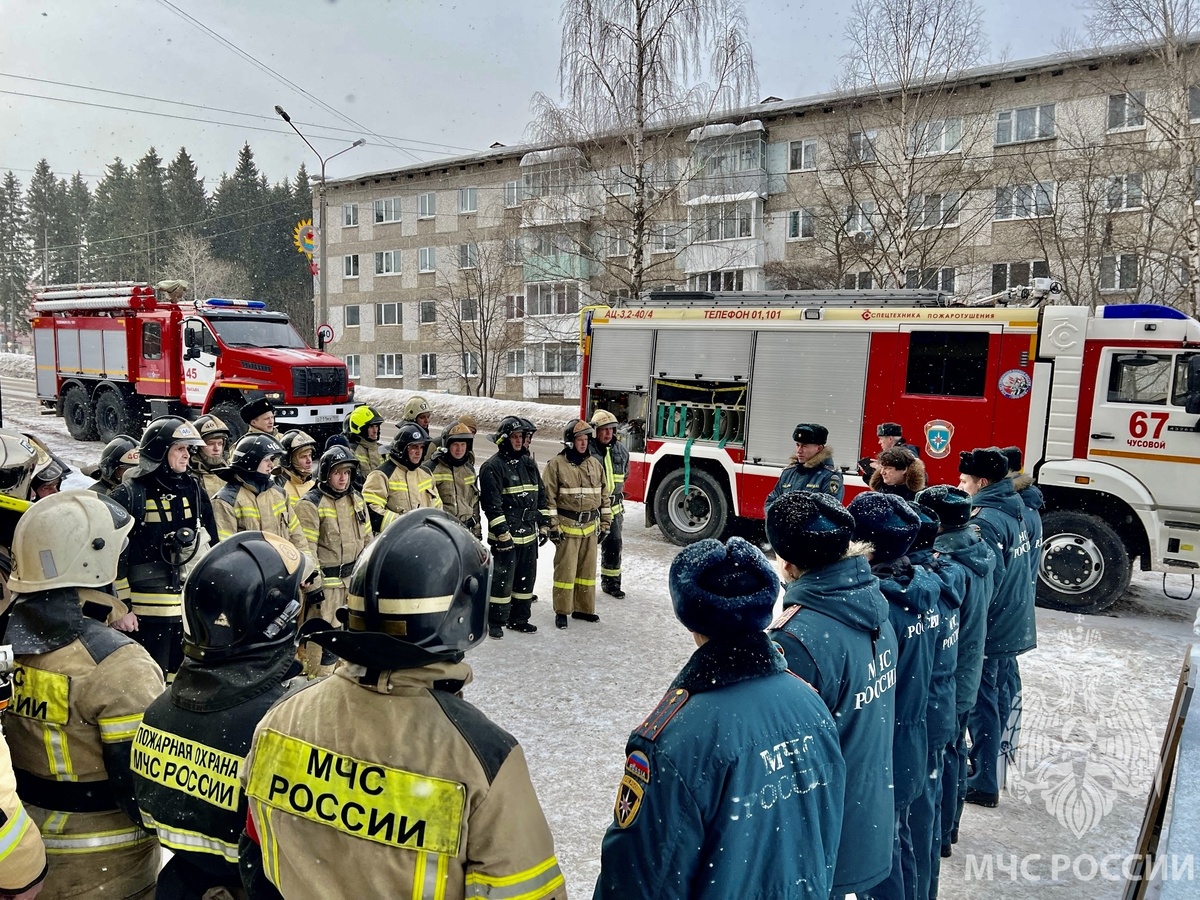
[78, 414]
[230, 412]
[113, 417]
[1084, 566]
[684, 517]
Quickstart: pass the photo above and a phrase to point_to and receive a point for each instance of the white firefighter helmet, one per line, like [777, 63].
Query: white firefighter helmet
[602, 418]
[17, 459]
[71, 539]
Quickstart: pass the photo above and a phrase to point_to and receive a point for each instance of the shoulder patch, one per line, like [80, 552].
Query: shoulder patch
[629, 801]
[784, 617]
[490, 743]
[670, 704]
[637, 764]
[835, 484]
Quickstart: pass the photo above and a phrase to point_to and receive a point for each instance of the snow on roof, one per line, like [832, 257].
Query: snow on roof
[723, 198]
[554, 154]
[705, 132]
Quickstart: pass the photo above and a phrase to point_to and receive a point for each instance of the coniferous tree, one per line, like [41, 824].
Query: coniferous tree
[14, 258]
[187, 204]
[79, 205]
[49, 233]
[151, 216]
[112, 225]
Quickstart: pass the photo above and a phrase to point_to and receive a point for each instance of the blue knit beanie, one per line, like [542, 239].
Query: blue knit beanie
[886, 521]
[723, 589]
[953, 505]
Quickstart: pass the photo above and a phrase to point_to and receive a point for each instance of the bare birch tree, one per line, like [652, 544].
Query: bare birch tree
[629, 70]
[191, 258]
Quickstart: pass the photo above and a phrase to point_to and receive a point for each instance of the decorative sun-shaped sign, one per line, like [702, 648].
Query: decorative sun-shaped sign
[304, 236]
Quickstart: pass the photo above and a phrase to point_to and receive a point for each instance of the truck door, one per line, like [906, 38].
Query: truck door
[199, 361]
[1140, 421]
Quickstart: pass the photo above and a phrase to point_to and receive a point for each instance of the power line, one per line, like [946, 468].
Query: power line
[216, 109]
[280, 78]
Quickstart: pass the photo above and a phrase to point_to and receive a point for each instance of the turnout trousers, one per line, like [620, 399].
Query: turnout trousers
[100, 854]
[610, 555]
[512, 582]
[575, 572]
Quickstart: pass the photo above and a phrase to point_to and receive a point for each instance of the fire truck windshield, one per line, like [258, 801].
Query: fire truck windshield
[256, 332]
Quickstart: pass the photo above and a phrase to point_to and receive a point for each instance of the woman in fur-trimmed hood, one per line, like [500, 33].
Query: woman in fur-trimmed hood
[899, 473]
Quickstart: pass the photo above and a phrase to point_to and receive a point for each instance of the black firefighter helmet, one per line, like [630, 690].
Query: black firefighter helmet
[159, 437]
[418, 595]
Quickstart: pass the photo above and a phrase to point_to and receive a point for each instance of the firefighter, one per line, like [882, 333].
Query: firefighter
[48, 472]
[18, 456]
[251, 500]
[80, 689]
[173, 519]
[241, 606]
[259, 416]
[214, 454]
[417, 412]
[580, 516]
[118, 457]
[733, 785]
[297, 466]
[530, 430]
[811, 466]
[615, 460]
[362, 430]
[455, 479]
[451, 806]
[335, 521]
[470, 421]
[23, 866]
[514, 501]
[400, 484]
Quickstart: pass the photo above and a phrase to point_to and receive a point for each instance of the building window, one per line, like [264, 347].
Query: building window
[1029, 123]
[467, 256]
[426, 205]
[1127, 111]
[555, 359]
[388, 314]
[858, 217]
[934, 210]
[1119, 272]
[930, 279]
[665, 237]
[350, 266]
[352, 366]
[427, 259]
[470, 364]
[387, 210]
[1125, 191]
[728, 280]
[512, 194]
[947, 363]
[619, 297]
[349, 215]
[726, 221]
[742, 153]
[389, 365]
[351, 315]
[857, 281]
[429, 365]
[861, 147]
[514, 306]
[468, 309]
[1194, 103]
[554, 178]
[387, 262]
[512, 252]
[802, 155]
[515, 362]
[1007, 275]
[939, 136]
[1025, 201]
[618, 243]
[551, 298]
[467, 200]
[428, 311]
[800, 224]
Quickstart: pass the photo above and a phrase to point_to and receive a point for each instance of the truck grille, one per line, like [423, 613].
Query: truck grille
[318, 381]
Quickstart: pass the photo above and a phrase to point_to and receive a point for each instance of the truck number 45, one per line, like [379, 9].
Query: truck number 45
[1139, 427]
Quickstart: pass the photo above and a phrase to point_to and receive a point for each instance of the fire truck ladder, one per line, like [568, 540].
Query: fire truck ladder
[1034, 295]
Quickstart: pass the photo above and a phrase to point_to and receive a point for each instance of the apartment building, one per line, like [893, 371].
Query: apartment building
[469, 274]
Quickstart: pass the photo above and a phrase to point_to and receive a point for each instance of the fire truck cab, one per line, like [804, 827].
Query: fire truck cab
[1104, 404]
[109, 357]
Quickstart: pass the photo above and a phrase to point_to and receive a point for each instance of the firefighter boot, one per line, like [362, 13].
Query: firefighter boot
[612, 587]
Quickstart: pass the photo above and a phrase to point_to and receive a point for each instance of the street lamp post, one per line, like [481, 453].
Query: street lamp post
[322, 272]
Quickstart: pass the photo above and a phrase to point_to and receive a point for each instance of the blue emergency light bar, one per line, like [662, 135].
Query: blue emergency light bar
[1140, 311]
[241, 304]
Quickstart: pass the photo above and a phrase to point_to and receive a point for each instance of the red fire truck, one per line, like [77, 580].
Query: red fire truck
[1104, 403]
[109, 357]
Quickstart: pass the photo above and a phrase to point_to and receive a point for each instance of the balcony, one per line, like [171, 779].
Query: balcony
[739, 253]
[556, 267]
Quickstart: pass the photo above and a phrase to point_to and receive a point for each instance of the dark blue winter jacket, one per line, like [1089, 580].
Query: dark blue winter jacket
[818, 474]
[733, 786]
[964, 547]
[941, 718]
[1000, 516]
[912, 595]
[1032, 497]
[835, 633]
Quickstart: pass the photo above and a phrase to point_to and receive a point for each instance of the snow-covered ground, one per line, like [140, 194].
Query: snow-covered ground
[1097, 693]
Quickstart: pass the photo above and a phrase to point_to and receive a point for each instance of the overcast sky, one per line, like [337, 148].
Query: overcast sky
[430, 78]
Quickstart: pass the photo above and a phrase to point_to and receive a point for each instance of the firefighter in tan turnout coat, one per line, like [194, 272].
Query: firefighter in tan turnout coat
[580, 516]
[338, 806]
[80, 689]
[400, 484]
[455, 479]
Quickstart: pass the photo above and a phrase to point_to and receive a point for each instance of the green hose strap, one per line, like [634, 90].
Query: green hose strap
[687, 466]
